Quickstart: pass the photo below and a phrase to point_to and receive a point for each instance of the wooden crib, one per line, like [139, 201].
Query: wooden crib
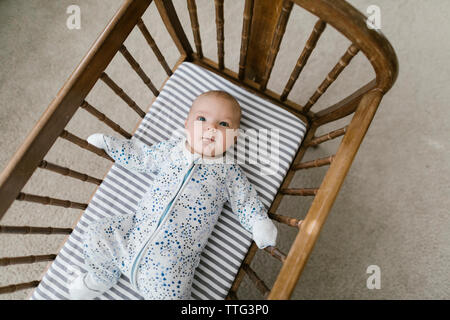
[263, 27]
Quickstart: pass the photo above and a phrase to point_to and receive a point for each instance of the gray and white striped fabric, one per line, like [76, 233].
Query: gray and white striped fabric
[262, 123]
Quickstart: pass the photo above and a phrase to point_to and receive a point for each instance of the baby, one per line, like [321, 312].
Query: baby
[158, 247]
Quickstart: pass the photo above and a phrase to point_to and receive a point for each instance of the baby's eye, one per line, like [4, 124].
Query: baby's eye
[224, 124]
[201, 118]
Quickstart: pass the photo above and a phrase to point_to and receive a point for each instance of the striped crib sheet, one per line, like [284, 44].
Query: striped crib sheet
[262, 123]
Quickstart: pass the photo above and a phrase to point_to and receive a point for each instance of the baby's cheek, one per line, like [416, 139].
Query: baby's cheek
[228, 139]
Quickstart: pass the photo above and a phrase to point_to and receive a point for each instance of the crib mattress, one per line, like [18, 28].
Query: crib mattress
[121, 189]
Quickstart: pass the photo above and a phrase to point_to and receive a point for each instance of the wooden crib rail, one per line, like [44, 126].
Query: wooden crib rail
[137, 68]
[325, 197]
[278, 34]
[68, 172]
[293, 222]
[257, 59]
[118, 91]
[220, 33]
[102, 117]
[173, 25]
[69, 98]
[314, 163]
[353, 24]
[20, 286]
[342, 108]
[332, 76]
[328, 136]
[319, 27]
[276, 253]
[245, 37]
[258, 53]
[84, 144]
[260, 285]
[152, 44]
[192, 8]
[51, 201]
[34, 230]
[26, 259]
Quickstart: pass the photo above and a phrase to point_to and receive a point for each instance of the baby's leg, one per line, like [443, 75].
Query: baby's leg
[101, 252]
[162, 277]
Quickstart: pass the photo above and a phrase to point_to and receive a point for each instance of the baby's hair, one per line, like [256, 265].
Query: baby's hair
[225, 95]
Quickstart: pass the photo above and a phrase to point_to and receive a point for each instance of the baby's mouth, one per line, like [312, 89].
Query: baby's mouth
[208, 139]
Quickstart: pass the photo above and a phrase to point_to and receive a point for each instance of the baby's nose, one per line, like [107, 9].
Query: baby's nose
[212, 128]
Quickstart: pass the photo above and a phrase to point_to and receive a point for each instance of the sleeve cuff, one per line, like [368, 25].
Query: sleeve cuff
[264, 233]
[97, 140]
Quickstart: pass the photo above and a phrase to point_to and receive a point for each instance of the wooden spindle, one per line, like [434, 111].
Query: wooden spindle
[276, 41]
[275, 252]
[50, 201]
[220, 33]
[137, 68]
[67, 101]
[170, 18]
[260, 285]
[102, 117]
[300, 191]
[332, 76]
[117, 90]
[314, 163]
[329, 136]
[154, 47]
[192, 7]
[245, 39]
[19, 286]
[304, 56]
[26, 259]
[68, 172]
[293, 222]
[34, 230]
[241, 273]
[84, 144]
[343, 107]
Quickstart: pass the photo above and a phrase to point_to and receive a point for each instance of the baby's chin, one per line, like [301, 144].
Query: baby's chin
[209, 150]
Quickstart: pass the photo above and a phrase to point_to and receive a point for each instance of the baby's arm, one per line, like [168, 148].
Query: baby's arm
[251, 212]
[131, 154]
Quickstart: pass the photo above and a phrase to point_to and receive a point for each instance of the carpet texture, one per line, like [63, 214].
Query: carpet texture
[393, 208]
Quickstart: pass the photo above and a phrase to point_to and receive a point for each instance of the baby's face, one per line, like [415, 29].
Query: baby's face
[212, 125]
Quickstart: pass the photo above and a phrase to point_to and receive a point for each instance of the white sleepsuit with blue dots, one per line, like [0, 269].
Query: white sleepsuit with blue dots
[159, 246]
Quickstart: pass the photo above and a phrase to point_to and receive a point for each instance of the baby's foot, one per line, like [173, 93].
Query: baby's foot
[83, 289]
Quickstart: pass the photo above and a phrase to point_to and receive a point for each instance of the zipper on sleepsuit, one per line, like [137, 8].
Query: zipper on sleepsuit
[163, 216]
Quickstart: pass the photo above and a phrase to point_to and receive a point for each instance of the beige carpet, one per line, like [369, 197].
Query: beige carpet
[393, 208]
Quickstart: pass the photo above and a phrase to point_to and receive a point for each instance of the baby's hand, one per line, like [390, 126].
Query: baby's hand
[264, 233]
[96, 140]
